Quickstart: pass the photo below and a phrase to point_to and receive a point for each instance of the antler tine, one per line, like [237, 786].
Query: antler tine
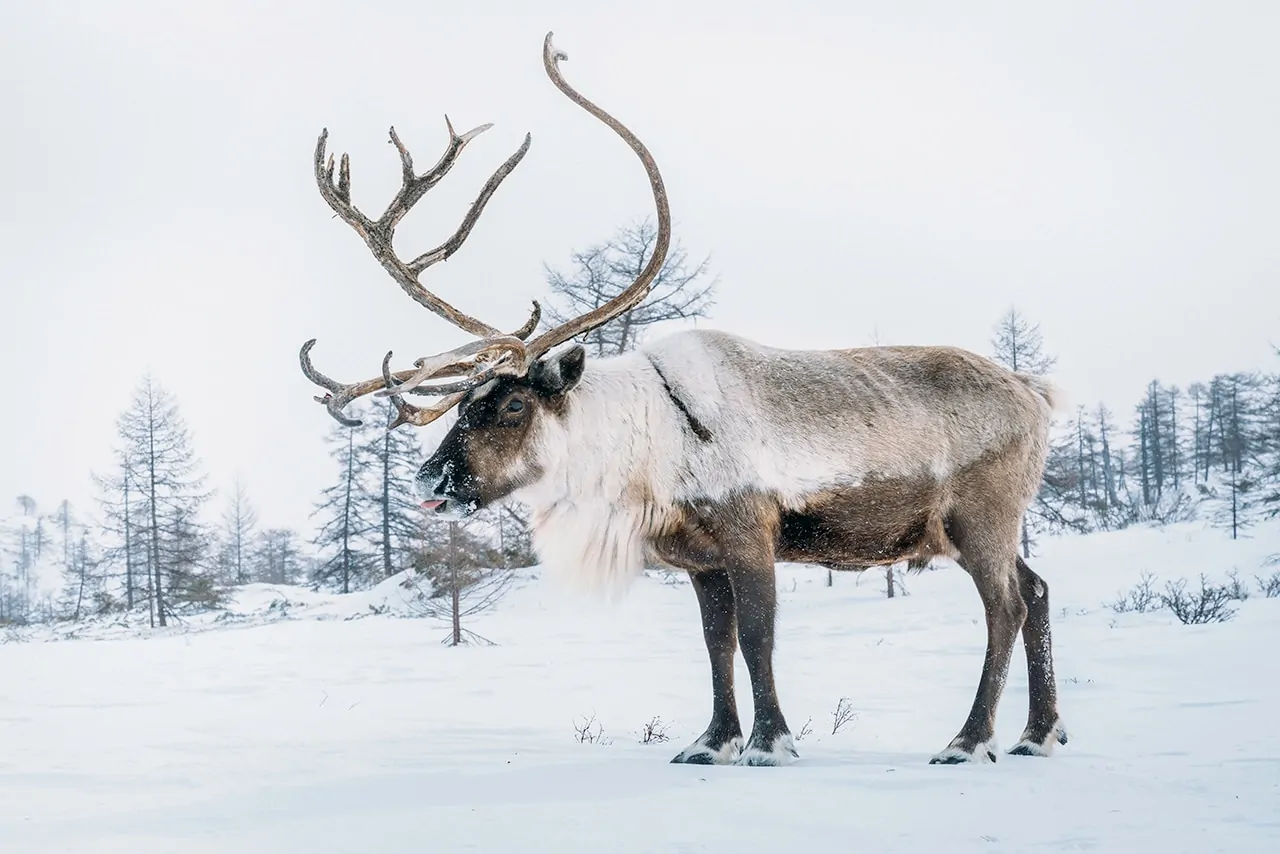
[338, 394]
[531, 324]
[338, 194]
[407, 413]
[477, 361]
[454, 243]
[412, 186]
[379, 234]
[489, 357]
[638, 289]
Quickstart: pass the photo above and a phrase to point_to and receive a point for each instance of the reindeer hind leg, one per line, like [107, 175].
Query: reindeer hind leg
[988, 559]
[1044, 726]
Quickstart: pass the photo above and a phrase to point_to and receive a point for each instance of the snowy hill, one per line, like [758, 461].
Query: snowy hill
[307, 722]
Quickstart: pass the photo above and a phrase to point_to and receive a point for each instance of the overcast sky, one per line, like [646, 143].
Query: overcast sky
[902, 171]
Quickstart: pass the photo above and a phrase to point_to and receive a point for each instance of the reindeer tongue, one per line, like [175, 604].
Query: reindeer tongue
[431, 505]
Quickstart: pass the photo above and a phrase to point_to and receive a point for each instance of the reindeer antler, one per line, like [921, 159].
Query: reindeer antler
[378, 235]
[494, 354]
[639, 289]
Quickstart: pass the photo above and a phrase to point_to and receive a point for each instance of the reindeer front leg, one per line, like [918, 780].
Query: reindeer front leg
[755, 593]
[722, 741]
[728, 548]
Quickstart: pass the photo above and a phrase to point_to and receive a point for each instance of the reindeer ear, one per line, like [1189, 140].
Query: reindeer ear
[559, 372]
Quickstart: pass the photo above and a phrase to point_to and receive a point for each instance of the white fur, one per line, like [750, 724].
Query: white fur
[783, 422]
[1041, 748]
[728, 752]
[781, 752]
[983, 754]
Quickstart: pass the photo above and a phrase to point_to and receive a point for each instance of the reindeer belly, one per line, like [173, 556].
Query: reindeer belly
[877, 522]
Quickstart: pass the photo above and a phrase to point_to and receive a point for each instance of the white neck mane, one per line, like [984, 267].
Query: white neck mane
[604, 461]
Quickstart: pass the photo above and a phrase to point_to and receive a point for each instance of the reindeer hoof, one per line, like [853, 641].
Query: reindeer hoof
[781, 752]
[958, 754]
[1034, 744]
[701, 752]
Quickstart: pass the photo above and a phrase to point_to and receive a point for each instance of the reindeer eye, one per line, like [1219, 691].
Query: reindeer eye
[516, 405]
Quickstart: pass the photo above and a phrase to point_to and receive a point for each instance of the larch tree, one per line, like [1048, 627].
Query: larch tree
[346, 512]
[465, 577]
[681, 291]
[121, 522]
[239, 528]
[278, 557]
[394, 457]
[1019, 346]
[81, 581]
[165, 471]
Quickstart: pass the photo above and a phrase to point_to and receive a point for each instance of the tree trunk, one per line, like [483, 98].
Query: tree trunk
[155, 519]
[502, 536]
[1146, 462]
[346, 513]
[453, 584]
[1080, 478]
[128, 542]
[239, 522]
[80, 593]
[386, 505]
[1156, 442]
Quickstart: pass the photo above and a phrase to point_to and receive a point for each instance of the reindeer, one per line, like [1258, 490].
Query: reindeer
[720, 456]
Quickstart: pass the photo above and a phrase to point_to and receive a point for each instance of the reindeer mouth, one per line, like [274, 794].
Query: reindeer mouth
[435, 505]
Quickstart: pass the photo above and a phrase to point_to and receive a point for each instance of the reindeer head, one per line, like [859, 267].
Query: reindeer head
[491, 450]
[505, 385]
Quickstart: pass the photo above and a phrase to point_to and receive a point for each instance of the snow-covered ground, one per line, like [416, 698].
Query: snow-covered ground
[302, 728]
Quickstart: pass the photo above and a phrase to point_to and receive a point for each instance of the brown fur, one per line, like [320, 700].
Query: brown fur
[971, 517]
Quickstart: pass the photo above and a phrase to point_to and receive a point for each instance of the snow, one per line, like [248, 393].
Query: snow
[326, 727]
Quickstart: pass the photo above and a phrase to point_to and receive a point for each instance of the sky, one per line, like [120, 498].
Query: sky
[858, 172]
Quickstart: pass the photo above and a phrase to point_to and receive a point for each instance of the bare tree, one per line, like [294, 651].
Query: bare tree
[1019, 346]
[346, 556]
[278, 557]
[239, 521]
[465, 575]
[21, 537]
[119, 503]
[598, 274]
[164, 470]
[82, 585]
[393, 459]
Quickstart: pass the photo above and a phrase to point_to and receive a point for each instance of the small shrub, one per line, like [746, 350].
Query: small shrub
[1211, 604]
[843, 715]
[654, 732]
[1236, 589]
[1270, 586]
[807, 729]
[589, 731]
[1142, 598]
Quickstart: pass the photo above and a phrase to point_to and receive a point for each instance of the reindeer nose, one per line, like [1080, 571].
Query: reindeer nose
[425, 479]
